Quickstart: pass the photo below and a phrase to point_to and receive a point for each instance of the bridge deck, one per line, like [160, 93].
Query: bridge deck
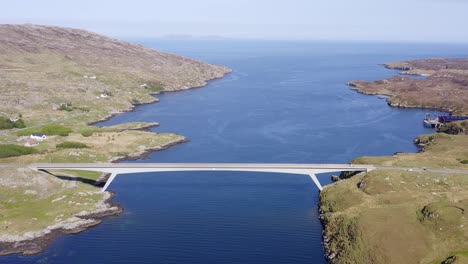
[298, 168]
[126, 168]
[199, 165]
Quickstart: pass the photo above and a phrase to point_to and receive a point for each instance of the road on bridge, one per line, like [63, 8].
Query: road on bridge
[308, 169]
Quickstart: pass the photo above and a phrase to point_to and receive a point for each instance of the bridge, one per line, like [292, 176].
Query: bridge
[125, 168]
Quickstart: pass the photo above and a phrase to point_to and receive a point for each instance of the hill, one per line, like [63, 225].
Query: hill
[44, 67]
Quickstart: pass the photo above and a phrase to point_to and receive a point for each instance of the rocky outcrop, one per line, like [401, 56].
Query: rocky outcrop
[34, 242]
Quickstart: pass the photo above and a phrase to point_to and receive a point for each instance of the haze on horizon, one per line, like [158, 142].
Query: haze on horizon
[358, 20]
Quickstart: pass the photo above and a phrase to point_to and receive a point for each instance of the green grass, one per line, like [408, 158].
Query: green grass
[50, 130]
[455, 128]
[154, 88]
[69, 144]
[90, 175]
[10, 150]
[56, 130]
[441, 151]
[66, 107]
[86, 133]
[22, 212]
[63, 156]
[6, 123]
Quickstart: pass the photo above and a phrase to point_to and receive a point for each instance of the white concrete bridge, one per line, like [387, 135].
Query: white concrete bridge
[124, 168]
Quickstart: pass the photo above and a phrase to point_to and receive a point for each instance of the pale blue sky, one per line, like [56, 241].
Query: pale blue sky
[394, 20]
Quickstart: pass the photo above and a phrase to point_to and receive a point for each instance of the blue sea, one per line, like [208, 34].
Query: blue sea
[285, 102]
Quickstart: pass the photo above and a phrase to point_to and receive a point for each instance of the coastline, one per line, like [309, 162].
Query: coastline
[358, 89]
[144, 154]
[440, 84]
[329, 253]
[35, 242]
[156, 100]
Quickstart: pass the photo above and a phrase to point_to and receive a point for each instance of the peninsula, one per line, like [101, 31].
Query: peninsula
[442, 84]
[54, 84]
[390, 216]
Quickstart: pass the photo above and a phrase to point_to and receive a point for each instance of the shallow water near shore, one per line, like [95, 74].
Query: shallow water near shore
[285, 102]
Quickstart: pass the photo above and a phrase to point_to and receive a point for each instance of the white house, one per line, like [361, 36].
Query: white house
[38, 136]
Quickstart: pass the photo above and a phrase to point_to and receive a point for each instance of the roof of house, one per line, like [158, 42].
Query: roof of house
[38, 134]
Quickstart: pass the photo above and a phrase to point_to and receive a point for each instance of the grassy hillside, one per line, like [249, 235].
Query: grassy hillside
[53, 73]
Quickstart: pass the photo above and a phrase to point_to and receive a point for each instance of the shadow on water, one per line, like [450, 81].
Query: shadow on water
[75, 178]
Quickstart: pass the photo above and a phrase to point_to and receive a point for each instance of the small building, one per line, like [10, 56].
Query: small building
[31, 143]
[38, 136]
[104, 95]
[14, 119]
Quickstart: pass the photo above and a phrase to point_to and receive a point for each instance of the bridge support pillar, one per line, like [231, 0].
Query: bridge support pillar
[109, 181]
[316, 181]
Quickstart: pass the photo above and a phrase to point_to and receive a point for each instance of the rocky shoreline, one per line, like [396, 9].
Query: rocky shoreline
[130, 109]
[360, 89]
[330, 254]
[35, 242]
[145, 153]
[156, 100]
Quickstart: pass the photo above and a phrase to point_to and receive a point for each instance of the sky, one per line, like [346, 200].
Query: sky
[354, 20]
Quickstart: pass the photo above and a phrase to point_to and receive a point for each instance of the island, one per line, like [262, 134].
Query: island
[55, 83]
[407, 216]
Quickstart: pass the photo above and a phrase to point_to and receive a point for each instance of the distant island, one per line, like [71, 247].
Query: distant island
[54, 84]
[406, 216]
